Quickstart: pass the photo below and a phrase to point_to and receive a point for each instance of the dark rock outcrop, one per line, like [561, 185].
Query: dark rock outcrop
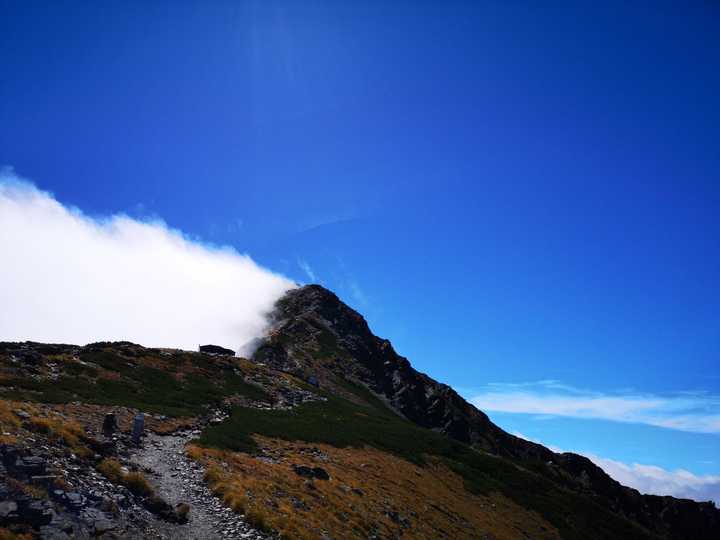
[216, 349]
[311, 472]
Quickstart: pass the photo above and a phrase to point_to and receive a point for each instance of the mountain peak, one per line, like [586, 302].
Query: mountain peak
[316, 336]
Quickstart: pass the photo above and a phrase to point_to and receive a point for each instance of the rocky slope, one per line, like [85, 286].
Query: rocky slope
[320, 339]
[67, 472]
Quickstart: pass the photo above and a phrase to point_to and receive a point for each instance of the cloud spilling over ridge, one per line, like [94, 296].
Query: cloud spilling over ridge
[654, 480]
[689, 411]
[66, 277]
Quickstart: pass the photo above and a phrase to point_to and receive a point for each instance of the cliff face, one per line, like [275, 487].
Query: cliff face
[317, 337]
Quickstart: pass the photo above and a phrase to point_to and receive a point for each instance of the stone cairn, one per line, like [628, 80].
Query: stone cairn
[110, 424]
[138, 428]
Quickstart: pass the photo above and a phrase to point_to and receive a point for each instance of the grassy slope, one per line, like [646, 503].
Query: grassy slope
[343, 424]
[183, 384]
[371, 494]
[177, 385]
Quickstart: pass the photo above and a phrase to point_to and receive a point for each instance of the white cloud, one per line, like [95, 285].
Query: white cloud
[659, 481]
[653, 480]
[67, 277]
[688, 411]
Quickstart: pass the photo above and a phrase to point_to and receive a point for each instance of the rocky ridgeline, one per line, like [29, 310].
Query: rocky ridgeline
[56, 493]
[315, 335]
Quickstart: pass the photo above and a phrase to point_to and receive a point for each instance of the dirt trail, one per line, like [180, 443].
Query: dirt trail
[178, 479]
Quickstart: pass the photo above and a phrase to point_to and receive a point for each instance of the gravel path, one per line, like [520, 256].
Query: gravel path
[178, 479]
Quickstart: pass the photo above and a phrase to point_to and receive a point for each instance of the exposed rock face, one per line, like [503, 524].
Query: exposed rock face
[316, 335]
[315, 332]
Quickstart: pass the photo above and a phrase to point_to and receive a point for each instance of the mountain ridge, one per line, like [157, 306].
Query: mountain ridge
[315, 334]
[325, 432]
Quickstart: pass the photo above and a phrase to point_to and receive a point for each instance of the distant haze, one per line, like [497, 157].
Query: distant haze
[70, 278]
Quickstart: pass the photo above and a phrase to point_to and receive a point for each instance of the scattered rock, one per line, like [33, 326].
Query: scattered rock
[8, 510]
[37, 513]
[178, 480]
[311, 472]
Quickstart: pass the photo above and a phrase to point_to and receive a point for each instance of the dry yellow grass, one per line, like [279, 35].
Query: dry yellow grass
[63, 429]
[9, 535]
[8, 419]
[370, 492]
[71, 422]
[138, 484]
[90, 417]
[9, 422]
[17, 486]
[134, 481]
[111, 469]
[42, 420]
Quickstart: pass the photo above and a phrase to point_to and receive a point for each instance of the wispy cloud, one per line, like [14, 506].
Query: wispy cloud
[687, 411]
[357, 293]
[652, 479]
[68, 277]
[318, 222]
[309, 272]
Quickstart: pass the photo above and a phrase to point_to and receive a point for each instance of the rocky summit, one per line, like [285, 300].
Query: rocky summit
[325, 432]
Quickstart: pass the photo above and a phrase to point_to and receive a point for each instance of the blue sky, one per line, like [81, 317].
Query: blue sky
[523, 197]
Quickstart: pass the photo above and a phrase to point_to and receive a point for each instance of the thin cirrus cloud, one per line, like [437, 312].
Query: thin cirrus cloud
[67, 277]
[689, 411]
[309, 272]
[654, 480]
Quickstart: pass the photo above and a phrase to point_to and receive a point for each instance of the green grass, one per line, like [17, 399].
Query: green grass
[327, 343]
[343, 424]
[76, 368]
[361, 391]
[146, 388]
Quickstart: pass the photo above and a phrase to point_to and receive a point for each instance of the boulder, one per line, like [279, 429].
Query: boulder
[311, 472]
[29, 466]
[37, 513]
[216, 349]
[8, 511]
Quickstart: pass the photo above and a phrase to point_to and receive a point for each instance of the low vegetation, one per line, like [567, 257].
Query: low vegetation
[55, 427]
[178, 384]
[183, 511]
[370, 493]
[134, 481]
[342, 424]
[64, 430]
[9, 422]
[5, 534]
[351, 419]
